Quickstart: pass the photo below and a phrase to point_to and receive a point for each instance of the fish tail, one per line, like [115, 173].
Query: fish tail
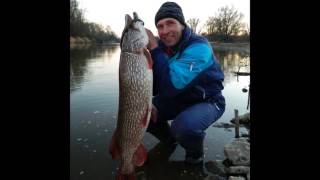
[120, 176]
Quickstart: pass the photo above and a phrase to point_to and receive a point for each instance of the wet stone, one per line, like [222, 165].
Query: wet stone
[243, 119]
[237, 169]
[215, 167]
[236, 178]
[215, 177]
[223, 125]
[238, 152]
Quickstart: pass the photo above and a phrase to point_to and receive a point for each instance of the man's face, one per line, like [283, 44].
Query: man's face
[170, 31]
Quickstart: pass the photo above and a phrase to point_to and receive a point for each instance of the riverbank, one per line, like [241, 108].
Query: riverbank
[236, 165]
[85, 42]
[80, 40]
[243, 47]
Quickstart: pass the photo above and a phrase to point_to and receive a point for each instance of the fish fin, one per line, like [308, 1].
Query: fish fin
[140, 156]
[120, 176]
[146, 117]
[114, 149]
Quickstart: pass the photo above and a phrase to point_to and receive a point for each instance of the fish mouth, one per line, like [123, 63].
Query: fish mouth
[135, 15]
[136, 18]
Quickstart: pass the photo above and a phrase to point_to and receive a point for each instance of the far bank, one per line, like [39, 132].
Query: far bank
[236, 46]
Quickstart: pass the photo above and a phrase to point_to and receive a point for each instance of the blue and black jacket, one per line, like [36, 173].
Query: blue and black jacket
[190, 74]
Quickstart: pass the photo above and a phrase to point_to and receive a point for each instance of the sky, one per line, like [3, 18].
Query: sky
[112, 12]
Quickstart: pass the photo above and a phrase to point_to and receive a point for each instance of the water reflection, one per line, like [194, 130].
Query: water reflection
[233, 61]
[80, 56]
[230, 61]
[94, 105]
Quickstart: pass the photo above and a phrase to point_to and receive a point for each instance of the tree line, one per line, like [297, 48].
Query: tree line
[80, 27]
[225, 26]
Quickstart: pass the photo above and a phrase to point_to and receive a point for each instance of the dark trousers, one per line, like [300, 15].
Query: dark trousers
[188, 125]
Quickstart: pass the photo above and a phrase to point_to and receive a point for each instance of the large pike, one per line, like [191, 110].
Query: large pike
[135, 98]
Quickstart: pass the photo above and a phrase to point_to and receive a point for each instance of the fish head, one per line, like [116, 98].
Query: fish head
[134, 35]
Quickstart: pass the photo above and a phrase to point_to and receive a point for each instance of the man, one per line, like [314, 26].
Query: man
[187, 84]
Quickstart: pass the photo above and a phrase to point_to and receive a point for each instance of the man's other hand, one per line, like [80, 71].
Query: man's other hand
[152, 40]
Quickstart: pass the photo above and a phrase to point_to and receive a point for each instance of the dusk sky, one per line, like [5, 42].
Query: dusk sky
[112, 12]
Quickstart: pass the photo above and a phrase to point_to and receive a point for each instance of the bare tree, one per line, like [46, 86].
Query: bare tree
[226, 23]
[200, 31]
[211, 26]
[193, 22]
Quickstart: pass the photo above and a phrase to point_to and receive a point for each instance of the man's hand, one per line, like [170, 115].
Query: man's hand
[152, 40]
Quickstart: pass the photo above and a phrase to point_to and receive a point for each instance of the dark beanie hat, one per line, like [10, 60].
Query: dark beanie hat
[170, 10]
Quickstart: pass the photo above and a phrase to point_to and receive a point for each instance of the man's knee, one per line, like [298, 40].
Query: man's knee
[183, 129]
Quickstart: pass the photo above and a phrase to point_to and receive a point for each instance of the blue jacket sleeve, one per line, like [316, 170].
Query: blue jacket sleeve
[173, 76]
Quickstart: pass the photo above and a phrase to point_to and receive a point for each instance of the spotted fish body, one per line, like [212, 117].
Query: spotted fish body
[135, 99]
